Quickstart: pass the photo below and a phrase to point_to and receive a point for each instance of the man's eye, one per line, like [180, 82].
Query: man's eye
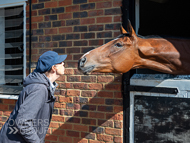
[119, 45]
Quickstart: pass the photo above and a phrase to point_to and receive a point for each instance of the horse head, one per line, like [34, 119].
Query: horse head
[116, 56]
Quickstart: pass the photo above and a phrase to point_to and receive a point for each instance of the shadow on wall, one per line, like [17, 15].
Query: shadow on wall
[90, 112]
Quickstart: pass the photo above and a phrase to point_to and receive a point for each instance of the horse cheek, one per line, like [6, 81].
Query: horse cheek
[123, 64]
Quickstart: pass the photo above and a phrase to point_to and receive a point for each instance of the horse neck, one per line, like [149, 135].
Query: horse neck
[155, 53]
[152, 47]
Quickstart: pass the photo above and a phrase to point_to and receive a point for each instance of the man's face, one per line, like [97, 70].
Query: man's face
[60, 68]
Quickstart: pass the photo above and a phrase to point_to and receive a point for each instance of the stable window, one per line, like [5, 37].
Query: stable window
[156, 115]
[12, 50]
[164, 18]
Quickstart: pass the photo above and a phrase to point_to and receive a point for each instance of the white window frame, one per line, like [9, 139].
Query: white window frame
[12, 3]
[137, 16]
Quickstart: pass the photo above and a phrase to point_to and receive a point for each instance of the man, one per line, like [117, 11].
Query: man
[30, 119]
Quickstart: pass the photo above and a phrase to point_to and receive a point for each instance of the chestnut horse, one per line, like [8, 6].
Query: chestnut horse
[128, 51]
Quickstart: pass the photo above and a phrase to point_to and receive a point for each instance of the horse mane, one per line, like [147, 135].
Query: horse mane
[140, 36]
[149, 36]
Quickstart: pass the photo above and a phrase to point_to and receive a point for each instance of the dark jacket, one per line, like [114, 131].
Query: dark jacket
[32, 114]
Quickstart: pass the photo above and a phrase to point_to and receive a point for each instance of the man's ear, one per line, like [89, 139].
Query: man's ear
[53, 68]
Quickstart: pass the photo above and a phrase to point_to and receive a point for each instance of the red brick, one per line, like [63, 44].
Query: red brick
[74, 78]
[104, 19]
[106, 138]
[63, 92]
[54, 125]
[72, 8]
[34, 13]
[95, 86]
[118, 124]
[9, 101]
[77, 106]
[7, 113]
[59, 105]
[27, 8]
[95, 13]
[58, 132]
[114, 116]
[51, 137]
[65, 2]
[66, 99]
[69, 71]
[112, 131]
[73, 92]
[88, 21]
[88, 135]
[65, 15]
[51, 31]
[61, 78]
[105, 94]
[69, 57]
[4, 119]
[118, 109]
[72, 133]
[116, 33]
[103, 5]
[77, 140]
[1, 112]
[50, 44]
[116, 87]
[51, 4]
[118, 95]
[66, 126]
[96, 101]
[117, 3]
[66, 85]
[34, 1]
[58, 118]
[65, 139]
[105, 78]
[65, 30]
[95, 42]
[88, 79]
[34, 26]
[89, 121]
[106, 123]
[118, 79]
[118, 140]
[80, 86]
[49, 131]
[66, 112]
[3, 107]
[97, 115]
[37, 19]
[1, 124]
[80, 128]
[94, 141]
[117, 18]
[105, 108]
[88, 93]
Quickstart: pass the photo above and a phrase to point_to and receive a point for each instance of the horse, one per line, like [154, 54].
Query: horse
[129, 51]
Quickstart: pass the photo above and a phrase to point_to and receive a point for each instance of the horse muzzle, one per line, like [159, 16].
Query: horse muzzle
[84, 69]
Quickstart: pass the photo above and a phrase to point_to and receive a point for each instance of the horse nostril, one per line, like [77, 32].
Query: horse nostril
[82, 61]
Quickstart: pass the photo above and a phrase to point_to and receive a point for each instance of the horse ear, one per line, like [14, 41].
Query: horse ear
[130, 29]
[123, 31]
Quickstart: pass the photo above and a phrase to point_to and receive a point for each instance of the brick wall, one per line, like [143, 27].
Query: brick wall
[88, 108]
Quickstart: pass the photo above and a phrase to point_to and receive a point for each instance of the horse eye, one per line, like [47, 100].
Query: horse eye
[118, 45]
